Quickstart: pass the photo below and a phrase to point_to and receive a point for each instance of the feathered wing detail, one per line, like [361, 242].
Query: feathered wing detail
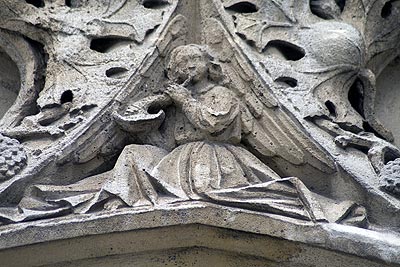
[274, 133]
[267, 127]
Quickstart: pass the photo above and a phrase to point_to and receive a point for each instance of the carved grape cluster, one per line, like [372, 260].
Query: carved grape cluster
[12, 157]
[390, 175]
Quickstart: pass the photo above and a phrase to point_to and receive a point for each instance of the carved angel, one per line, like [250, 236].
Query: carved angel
[207, 161]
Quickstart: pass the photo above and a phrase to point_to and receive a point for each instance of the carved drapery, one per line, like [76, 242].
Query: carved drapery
[279, 92]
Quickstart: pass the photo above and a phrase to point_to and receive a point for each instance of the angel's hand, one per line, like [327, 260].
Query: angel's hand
[178, 93]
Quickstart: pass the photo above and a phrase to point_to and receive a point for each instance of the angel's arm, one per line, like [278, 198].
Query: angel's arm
[213, 114]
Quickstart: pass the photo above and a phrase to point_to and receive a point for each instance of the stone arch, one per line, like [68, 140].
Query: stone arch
[10, 82]
[24, 66]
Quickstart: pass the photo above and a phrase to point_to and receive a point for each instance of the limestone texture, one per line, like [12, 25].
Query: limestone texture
[239, 133]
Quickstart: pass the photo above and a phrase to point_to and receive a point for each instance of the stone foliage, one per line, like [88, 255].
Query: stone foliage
[262, 106]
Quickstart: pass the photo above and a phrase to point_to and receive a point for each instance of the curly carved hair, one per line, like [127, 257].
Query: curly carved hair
[172, 71]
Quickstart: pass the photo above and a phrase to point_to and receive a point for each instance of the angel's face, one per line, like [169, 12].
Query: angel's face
[192, 65]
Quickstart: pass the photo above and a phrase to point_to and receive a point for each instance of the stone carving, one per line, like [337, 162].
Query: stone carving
[390, 177]
[306, 72]
[12, 159]
[327, 9]
[205, 123]
[260, 106]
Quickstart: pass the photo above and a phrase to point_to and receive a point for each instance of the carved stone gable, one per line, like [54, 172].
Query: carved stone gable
[272, 120]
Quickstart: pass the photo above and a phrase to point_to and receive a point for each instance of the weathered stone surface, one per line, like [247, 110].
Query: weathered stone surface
[131, 114]
[176, 234]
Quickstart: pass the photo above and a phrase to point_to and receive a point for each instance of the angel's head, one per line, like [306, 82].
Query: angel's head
[188, 63]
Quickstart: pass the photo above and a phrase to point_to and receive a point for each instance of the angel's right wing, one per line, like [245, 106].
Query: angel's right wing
[273, 133]
[268, 128]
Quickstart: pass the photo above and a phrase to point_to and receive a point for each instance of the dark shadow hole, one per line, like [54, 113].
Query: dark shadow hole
[234, 20]
[116, 72]
[341, 4]
[288, 50]
[88, 107]
[249, 42]
[66, 97]
[389, 156]
[321, 13]
[154, 109]
[331, 107]
[241, 35]
[387, 9]
[243, 7]
[154, 4]
[319, 8]
[356, 96]
[368, 128]
[104, 44]
[150, 31]
[73, 3]
[291, 82]
[165, 74]
[36, 3]
[363, 149]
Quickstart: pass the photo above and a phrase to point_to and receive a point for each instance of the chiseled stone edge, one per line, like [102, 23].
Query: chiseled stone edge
[347, 239]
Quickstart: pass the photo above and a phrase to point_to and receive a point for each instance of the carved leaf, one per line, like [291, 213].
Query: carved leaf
[254, 26]
[379, 22]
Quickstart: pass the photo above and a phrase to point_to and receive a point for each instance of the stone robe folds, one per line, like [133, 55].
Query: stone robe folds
[208, 164]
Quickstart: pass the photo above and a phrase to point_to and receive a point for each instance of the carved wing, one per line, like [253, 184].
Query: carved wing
[272, 132]
[268, 128]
